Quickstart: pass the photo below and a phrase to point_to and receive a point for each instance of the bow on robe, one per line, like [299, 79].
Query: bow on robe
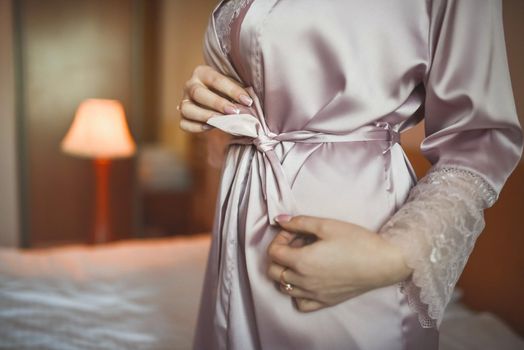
[276, 182]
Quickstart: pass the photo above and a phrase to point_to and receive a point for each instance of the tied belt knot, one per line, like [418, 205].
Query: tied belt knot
[265, 143]
[277, 177]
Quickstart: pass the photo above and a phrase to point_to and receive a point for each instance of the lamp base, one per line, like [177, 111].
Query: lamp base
[101, 232]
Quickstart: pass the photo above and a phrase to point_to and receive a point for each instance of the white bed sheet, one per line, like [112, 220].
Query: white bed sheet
[124, 295]
[144, 294]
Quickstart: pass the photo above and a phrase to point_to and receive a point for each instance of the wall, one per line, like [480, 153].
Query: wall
[71, 50]
[493, 278]
[181, 33]
[514, 31]
[9, 224]
[140, 52]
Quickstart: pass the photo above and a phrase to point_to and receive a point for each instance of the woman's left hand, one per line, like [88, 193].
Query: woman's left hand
[344, 261]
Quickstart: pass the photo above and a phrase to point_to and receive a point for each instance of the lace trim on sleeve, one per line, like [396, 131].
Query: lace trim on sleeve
[436, 230]
[226, 15]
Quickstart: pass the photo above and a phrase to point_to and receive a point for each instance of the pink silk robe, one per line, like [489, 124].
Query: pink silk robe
[334, 83]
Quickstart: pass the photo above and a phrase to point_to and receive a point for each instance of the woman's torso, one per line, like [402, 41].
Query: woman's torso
[329, 67]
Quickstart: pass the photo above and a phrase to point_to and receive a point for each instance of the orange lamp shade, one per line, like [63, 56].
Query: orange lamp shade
[99, 130]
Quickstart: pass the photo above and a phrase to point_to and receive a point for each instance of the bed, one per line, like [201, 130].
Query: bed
[144, 294]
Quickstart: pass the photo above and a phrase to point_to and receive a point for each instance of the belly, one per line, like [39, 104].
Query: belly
[349, 182]
[345, 181]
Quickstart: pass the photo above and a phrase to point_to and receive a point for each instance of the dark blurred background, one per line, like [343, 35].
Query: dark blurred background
[56, 53]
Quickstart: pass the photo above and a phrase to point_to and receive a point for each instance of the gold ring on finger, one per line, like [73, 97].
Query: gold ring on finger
[288, 287]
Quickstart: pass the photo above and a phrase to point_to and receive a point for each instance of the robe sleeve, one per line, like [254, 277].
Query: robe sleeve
[473, 141]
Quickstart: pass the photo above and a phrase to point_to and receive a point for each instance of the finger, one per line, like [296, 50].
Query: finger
[280, 252]
[281, 274]
[308, 305]
[301, 240]
[191, 126]
[200, 94]
[304, 224]
[193, 112]
[296, 292]
[284, 238]
[274, 272]
[224, 85]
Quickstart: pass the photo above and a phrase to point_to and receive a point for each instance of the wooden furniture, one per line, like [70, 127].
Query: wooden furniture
[167, 213]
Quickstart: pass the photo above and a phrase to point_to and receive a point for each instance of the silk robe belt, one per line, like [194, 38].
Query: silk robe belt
[277, 182]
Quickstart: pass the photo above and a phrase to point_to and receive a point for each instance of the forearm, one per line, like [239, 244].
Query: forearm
[436, 230]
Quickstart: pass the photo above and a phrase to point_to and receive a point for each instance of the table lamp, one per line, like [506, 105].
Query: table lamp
[100, 132]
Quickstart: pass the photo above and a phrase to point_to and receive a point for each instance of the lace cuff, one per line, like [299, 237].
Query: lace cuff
[436, 230]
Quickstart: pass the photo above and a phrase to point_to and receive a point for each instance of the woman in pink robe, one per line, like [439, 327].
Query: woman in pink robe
[333, 84]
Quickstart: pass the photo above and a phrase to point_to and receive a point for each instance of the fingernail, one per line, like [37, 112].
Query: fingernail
[207, 127]
[231, 110]
[248, 101]
[283, 218]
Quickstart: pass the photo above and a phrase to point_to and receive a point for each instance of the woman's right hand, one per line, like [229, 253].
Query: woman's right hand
[208, 93]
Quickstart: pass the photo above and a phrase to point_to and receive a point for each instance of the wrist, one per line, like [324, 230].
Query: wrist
[394, 263]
